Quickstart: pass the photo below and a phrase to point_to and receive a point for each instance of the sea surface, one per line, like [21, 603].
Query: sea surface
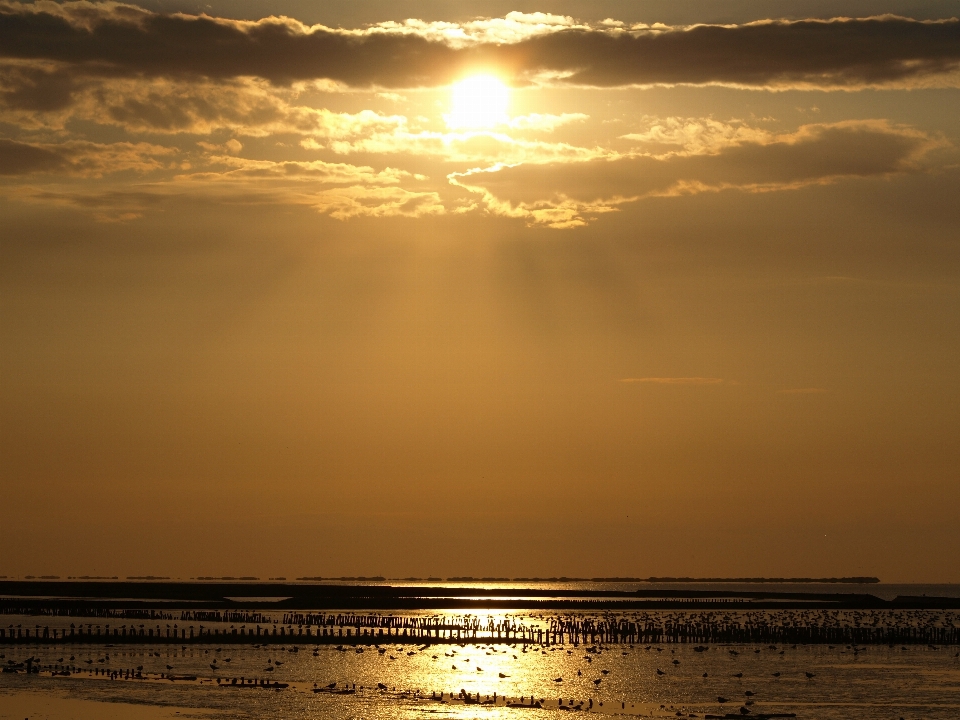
[814, 682]
[873, 682]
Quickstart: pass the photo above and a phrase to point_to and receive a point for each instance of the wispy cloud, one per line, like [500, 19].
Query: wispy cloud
[568, 195]
[81, 158]
[675, 380]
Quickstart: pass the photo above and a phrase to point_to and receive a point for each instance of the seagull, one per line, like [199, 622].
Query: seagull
[659, 671]
[738, 675]
[598, 681]
[503, 676]
[810, 675]
[560, 679]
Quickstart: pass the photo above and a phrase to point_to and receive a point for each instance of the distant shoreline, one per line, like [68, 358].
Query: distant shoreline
[469, 578]
[741, 581]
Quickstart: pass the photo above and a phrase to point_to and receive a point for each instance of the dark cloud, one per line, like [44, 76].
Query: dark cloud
[79, 158]
[18, 158]
[846, 53]
[35, 89]
[832, 53]
[176, 45]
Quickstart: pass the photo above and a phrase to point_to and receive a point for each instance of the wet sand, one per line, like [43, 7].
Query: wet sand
[54, 706]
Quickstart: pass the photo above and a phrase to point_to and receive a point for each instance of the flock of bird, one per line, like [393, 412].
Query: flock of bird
[225, 671]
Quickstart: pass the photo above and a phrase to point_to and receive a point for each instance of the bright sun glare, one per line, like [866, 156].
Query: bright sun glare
[479, 102]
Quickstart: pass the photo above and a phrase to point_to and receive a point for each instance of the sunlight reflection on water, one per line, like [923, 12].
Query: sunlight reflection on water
[878, 682]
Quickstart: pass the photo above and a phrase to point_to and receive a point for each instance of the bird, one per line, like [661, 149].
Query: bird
[704, 675]
[659, 671]
[776, 674]
[744, 710]
[604, 672]
[749, 693]
[558, 680]
[721, 699]
[809, 675]
[598, 681]
[502, 675]
[738, 675]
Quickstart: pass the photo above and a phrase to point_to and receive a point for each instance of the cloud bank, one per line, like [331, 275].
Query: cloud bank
[111, 39]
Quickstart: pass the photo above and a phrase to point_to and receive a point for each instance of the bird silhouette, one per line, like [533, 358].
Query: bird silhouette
[721, 699]
[558, 680]
[659, 671]
[738, 675]
[809, 675]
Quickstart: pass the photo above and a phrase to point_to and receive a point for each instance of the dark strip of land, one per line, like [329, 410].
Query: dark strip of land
[307, 596]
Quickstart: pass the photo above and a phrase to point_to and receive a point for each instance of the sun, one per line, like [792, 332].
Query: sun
[478, 102]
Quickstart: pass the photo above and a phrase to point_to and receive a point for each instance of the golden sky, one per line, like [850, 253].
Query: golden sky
[480, 288]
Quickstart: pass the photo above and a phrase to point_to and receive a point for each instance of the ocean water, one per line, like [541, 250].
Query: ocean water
[886, 591]
[874, 682]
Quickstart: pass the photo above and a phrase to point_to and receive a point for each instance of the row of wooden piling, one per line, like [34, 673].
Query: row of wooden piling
[601, 633]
